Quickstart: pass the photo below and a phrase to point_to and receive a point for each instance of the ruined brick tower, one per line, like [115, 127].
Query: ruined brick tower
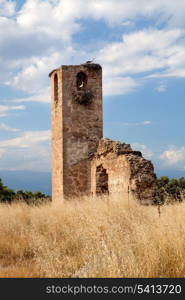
[83, 162]
[76, 94]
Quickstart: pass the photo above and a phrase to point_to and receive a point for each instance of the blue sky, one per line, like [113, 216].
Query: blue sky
[141, 47]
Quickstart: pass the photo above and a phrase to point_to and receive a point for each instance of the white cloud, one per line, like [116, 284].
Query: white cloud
[45, 29]
[33, 77]
[145, 51]
[119, 85]
[34, 42]
[7, 8]
[42, 95]
[179, 73]
[147, 153]
[162, 87]
[28, 151]
[5, 127]
[5, 109]
[144, 123]
[173, 156]
[119, 11]
[142, 51]
[27, 139]
[54, 18]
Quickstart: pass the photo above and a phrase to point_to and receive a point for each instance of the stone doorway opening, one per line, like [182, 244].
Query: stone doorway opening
[101, 181]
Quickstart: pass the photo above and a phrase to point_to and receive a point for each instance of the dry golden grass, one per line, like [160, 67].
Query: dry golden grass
[92, 238]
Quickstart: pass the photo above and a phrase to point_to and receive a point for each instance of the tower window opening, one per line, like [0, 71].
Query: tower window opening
[81, 80]
[56, 88]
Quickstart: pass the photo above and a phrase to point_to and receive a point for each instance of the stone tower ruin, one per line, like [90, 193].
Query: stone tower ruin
[76, 93]
[82, 161]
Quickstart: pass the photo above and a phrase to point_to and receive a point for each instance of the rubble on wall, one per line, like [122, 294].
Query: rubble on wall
[107, 146]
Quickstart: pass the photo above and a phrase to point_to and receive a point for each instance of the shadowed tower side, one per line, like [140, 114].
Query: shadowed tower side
[76, 113]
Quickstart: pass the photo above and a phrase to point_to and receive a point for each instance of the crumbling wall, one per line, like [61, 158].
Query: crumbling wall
[142, 178]
[127, 171]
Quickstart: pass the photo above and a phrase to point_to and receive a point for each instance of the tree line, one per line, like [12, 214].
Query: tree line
[170, 190]
[7, 195]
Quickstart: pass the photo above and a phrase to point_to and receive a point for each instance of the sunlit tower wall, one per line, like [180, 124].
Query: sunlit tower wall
[76, 114]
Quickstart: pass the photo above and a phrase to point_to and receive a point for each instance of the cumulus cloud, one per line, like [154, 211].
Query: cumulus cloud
[148, 50]
[39, 38]
[173, 156]
[114, 12]
[28, 151]
[33, 77]
[137, 53]
[55, 18]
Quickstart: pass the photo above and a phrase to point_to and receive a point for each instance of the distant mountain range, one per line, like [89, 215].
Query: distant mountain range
[27, 180]
[41, 181]
[170, 173]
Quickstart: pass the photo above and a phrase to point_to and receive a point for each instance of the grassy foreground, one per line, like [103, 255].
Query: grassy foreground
[92, 238]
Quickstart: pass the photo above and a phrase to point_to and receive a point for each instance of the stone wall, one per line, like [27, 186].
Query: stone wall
[76, 127]
[127, 170]
[56, 137]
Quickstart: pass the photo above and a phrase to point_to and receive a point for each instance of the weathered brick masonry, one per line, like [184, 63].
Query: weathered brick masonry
[82, 161]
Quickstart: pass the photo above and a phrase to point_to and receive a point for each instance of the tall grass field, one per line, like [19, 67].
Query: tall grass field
[92, 237]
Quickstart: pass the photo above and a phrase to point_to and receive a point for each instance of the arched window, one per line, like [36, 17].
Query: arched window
[81, 80]
[101, 180]
[56, 88]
